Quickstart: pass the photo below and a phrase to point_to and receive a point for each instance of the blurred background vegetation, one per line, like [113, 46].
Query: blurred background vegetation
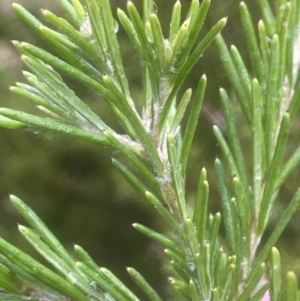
[71, 184]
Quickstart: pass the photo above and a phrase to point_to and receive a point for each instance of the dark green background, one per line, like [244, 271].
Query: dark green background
[71, 184]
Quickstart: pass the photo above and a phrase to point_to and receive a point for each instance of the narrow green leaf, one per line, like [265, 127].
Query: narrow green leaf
[291, 286]
[215, 294]
[175, 21]
[244, 211]
[57, 37]
[214, 233]
[291, 40]
[239, 251]
[158, 40]
[268, 16]
[145, 44]
[74, 276]
[264, 47]
[131, 32]
[147, 9]
[272, 102]
[38, 269]
[85, 258]
[193, 290]
[77, 38]
[160, 238]
[227, 285]
[192, 235]
[282, 78]
[241, 71]
[234, 77]
[207, 259]
[79, 9]
[97, 26]
[54, 259]
[179, 41]
[180, 111]
[9, 276]
[63, 66]
[118, 284]
[294, 102]
[176, 176]
[70, 10]
[280, 5]
[183, 271]
[102, 282]
[198, 52]
[26, 273]
[11, 124]
[31, 93]
[47, 97]
[226, 151]
[180, 287]
[225, 202]
[200, 207]
[178, 258]
[268, 199]
[149, 32]
[234, 141]
[193, 10]
[219, 267]
[7, 285]
[275, 274]
[258, 144]
[280, 226]
[196, 16]
[186, 68]
[74, 56]
[43, 231]
[166, 215]
[143, 285]
[50, 125]
[72, 103]
[192, 123]
[31, 20]
[130, 177]
[113, 45]
[252, 43]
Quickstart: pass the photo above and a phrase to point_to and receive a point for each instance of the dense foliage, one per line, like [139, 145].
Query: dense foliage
[157, 128]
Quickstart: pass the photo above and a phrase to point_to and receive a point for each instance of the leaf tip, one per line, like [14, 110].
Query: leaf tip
[224, 20]
[12, 197]
[290, 274]
[129, 4]
[15, 42]
[21, 228]
[217, 161]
